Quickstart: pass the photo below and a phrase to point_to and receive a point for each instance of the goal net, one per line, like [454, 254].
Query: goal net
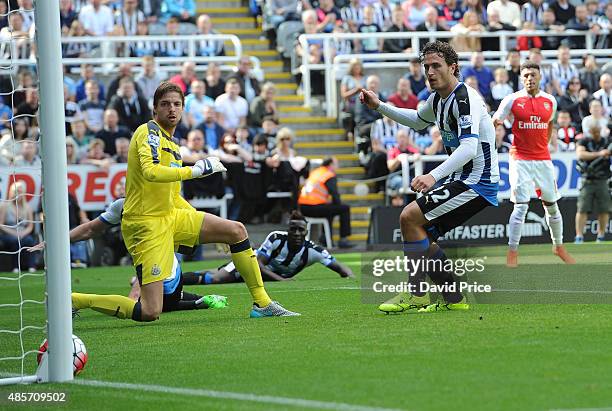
[34, 286]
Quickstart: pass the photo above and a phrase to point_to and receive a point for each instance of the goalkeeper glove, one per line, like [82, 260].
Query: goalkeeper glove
[206, 167]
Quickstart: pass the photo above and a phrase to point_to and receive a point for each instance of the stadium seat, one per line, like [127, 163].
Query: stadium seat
[326, 229]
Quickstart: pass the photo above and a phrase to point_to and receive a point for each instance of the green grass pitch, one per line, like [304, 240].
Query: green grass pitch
[340, 354]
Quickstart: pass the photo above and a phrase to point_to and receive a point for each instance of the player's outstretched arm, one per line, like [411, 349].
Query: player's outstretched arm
[468, 147]
[266, 273]
[341, 269]
[418, 120]
[82, 232]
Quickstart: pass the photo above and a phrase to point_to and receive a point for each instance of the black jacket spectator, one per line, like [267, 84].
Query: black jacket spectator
[109, 137]
[396, 45]
[577, 109]
[563, 14]
[132, 113]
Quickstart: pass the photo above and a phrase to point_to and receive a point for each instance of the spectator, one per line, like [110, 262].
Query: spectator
[414, 10]
[477, 7]
[404, 97]
[463, 40]
[397, 154]
[210, 128]
[495, 24]
[111, 130]
[385, 131]
[185, 77]
[67, 16]
[81, 137]
[122, 146]
[527, 41]
[195, 148]
[509, 12]
[482, 73]
[472, 81]
[436, 146]
[143, 47]
[30, 106]
[596, 118]
[352, 14]
[533, 11]
[6, 114]
[231, 152]
[208, 47]
[315, 47]
[26, 9]
[96, 155]
[513, 66]
[232, 109]
[17, 227]
[341, 46]
[25, 80]
[450, 13]
[562, 71]
[383, 13]
[182, 10]
[149, 79]
[397, 26]
[78, 49]
[431, 23]
[215, 85]
[249, 86]
[242, 139]
[567, 135]
[549, 23]
[92, 108]
[255, 182]
[263, 106]
[132, 109]
[576, 102]
[72, 151]
[269, 131]
[195, 103]
[564, 11]
[87, 73]
[328, 16]
[72, 111]
[320, 198]
[28, 156]
[377, 165]
[349, 85]
[535, 55]
[9, 143]
[502, 139]
[500, 88]
[415, 76]
[581, 22]
[173, 48]
[604, 95]
[193, 151]
[125, 71]
[151, 9]
[365, 117]
[284, 10]
[604, 40]
[128, 17]
[97, 19]
[594, 163]
[18, 35]
[589, 73]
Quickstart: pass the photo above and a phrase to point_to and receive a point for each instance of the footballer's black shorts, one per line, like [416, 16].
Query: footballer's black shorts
[171, 301]
[449, 206]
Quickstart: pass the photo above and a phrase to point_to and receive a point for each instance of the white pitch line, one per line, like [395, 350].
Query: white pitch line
[238, 396]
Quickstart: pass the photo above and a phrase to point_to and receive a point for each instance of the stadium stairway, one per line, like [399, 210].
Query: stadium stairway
[317, 136]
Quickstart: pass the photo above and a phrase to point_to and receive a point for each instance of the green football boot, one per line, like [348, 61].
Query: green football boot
[404, 302]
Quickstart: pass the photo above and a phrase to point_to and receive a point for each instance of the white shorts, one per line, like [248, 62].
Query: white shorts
[527, 176]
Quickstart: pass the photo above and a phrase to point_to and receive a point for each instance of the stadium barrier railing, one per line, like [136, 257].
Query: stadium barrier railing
[332, 65]
[102, 51]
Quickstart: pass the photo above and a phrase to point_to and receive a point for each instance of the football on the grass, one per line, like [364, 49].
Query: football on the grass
[79, 354]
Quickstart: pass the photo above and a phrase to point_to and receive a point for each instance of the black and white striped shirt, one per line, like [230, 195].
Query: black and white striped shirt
[382, 15]
[286, 263]
[385, 132]
[173, 48]
[563, 74]
[530, 13]
[606, 101]
[351, 13]
[129, 22]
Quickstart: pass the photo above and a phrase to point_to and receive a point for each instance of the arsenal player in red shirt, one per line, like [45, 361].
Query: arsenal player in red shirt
[531, 112]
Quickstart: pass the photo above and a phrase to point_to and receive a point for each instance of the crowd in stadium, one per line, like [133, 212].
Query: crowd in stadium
[234, 117]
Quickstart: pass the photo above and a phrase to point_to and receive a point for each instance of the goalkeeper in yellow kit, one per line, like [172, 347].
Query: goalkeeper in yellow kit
[157, 220]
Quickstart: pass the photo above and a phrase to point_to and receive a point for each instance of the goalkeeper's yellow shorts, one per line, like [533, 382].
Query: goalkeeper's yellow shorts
[152, 241]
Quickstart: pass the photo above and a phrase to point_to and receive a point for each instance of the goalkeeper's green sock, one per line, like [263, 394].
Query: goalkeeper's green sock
[246, 263]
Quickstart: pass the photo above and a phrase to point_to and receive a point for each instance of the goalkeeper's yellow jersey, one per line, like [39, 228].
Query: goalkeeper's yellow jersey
[154, 174]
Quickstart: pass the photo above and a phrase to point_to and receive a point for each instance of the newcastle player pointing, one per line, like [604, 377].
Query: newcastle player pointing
[469, 176]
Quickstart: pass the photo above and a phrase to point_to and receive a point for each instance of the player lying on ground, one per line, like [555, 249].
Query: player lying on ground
[282, 256]
[157, 220]
[470, 174]
[175, 299]
[531, 111]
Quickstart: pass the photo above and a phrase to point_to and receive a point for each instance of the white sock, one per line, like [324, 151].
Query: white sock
[517, 218]
[555, 222]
